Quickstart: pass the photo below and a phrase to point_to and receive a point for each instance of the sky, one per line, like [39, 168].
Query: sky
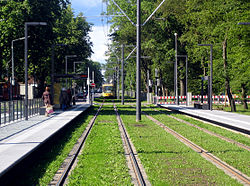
[92, 10]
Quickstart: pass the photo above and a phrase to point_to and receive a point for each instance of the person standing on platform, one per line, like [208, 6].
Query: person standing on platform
[63, 99]
[69, 98]
[47, 100]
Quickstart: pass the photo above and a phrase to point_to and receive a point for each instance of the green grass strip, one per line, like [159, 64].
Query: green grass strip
[216, 129]
[168, 161]
[103, 161]
[228, 152]
[51, 157]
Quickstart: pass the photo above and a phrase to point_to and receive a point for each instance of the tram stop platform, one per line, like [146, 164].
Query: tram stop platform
[20, 138]
[230, 120]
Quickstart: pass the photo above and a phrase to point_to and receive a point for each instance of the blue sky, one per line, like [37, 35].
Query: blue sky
[91, 9]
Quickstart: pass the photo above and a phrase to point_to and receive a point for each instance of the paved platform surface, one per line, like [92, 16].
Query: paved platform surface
[19, 139]
[238, 121]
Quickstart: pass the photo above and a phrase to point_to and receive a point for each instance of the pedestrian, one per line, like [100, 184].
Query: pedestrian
[63, 99]
[69, 98]
[47, 101]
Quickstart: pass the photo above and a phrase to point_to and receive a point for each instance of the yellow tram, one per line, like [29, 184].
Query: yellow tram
[108, 90]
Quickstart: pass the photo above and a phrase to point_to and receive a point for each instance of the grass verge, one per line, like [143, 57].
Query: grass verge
[218, 130]
[228, 152]
[102, 161]
[168, 161]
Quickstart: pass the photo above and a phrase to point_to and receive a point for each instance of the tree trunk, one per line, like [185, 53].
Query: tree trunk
[182, 85]
[166, 92]
[163, 90]
[227, 81]
[243, 88]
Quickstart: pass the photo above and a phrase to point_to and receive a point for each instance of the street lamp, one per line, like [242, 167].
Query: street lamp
[26, 60]
[66, 66]
[122, 73]
[12, 55]
[75, 72]
[12, 61]
[53, 69]
[186, 76]
[66, 62]
[176, 80]
[211, 74]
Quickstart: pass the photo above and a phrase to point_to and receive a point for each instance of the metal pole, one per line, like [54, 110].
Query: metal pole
[12, 61]
[211, 76]
[176, 76]
[66, 71]
[138, 57]
[66, 66]
[118, 80]
[88, 87]
[93, 88]
[122, 73]
[26, 61]
[26, 70]
[147, 86]
[186, 81]
[52, 72]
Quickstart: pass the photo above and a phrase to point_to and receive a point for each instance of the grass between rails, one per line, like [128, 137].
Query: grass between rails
[218, 130]
[168, 161]
[102, 161]
[228, 152]
[42, 170]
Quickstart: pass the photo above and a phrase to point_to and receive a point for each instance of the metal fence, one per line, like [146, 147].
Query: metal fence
[14, 110]
[219, 100]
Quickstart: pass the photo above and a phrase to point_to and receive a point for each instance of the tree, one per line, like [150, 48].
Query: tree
[61, 27]
[195, 21]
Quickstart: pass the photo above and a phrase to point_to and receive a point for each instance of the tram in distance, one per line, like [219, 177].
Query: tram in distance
[108, 90]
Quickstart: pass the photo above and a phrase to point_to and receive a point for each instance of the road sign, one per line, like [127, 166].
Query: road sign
[92, 84]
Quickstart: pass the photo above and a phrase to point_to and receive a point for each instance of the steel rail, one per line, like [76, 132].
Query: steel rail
[137, 170]
[76, 150]
[222, 165]
[209, 132]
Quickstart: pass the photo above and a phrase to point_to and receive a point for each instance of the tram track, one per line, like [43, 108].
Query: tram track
[137, 172]
[138, 175]
[231, 171]
[63, 172]
[208, 131]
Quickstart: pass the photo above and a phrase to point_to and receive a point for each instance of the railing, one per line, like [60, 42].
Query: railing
[197, 99]
[15, 110]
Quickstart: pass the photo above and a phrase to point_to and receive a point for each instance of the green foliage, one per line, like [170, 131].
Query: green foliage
[62, 28]
[195, 22]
